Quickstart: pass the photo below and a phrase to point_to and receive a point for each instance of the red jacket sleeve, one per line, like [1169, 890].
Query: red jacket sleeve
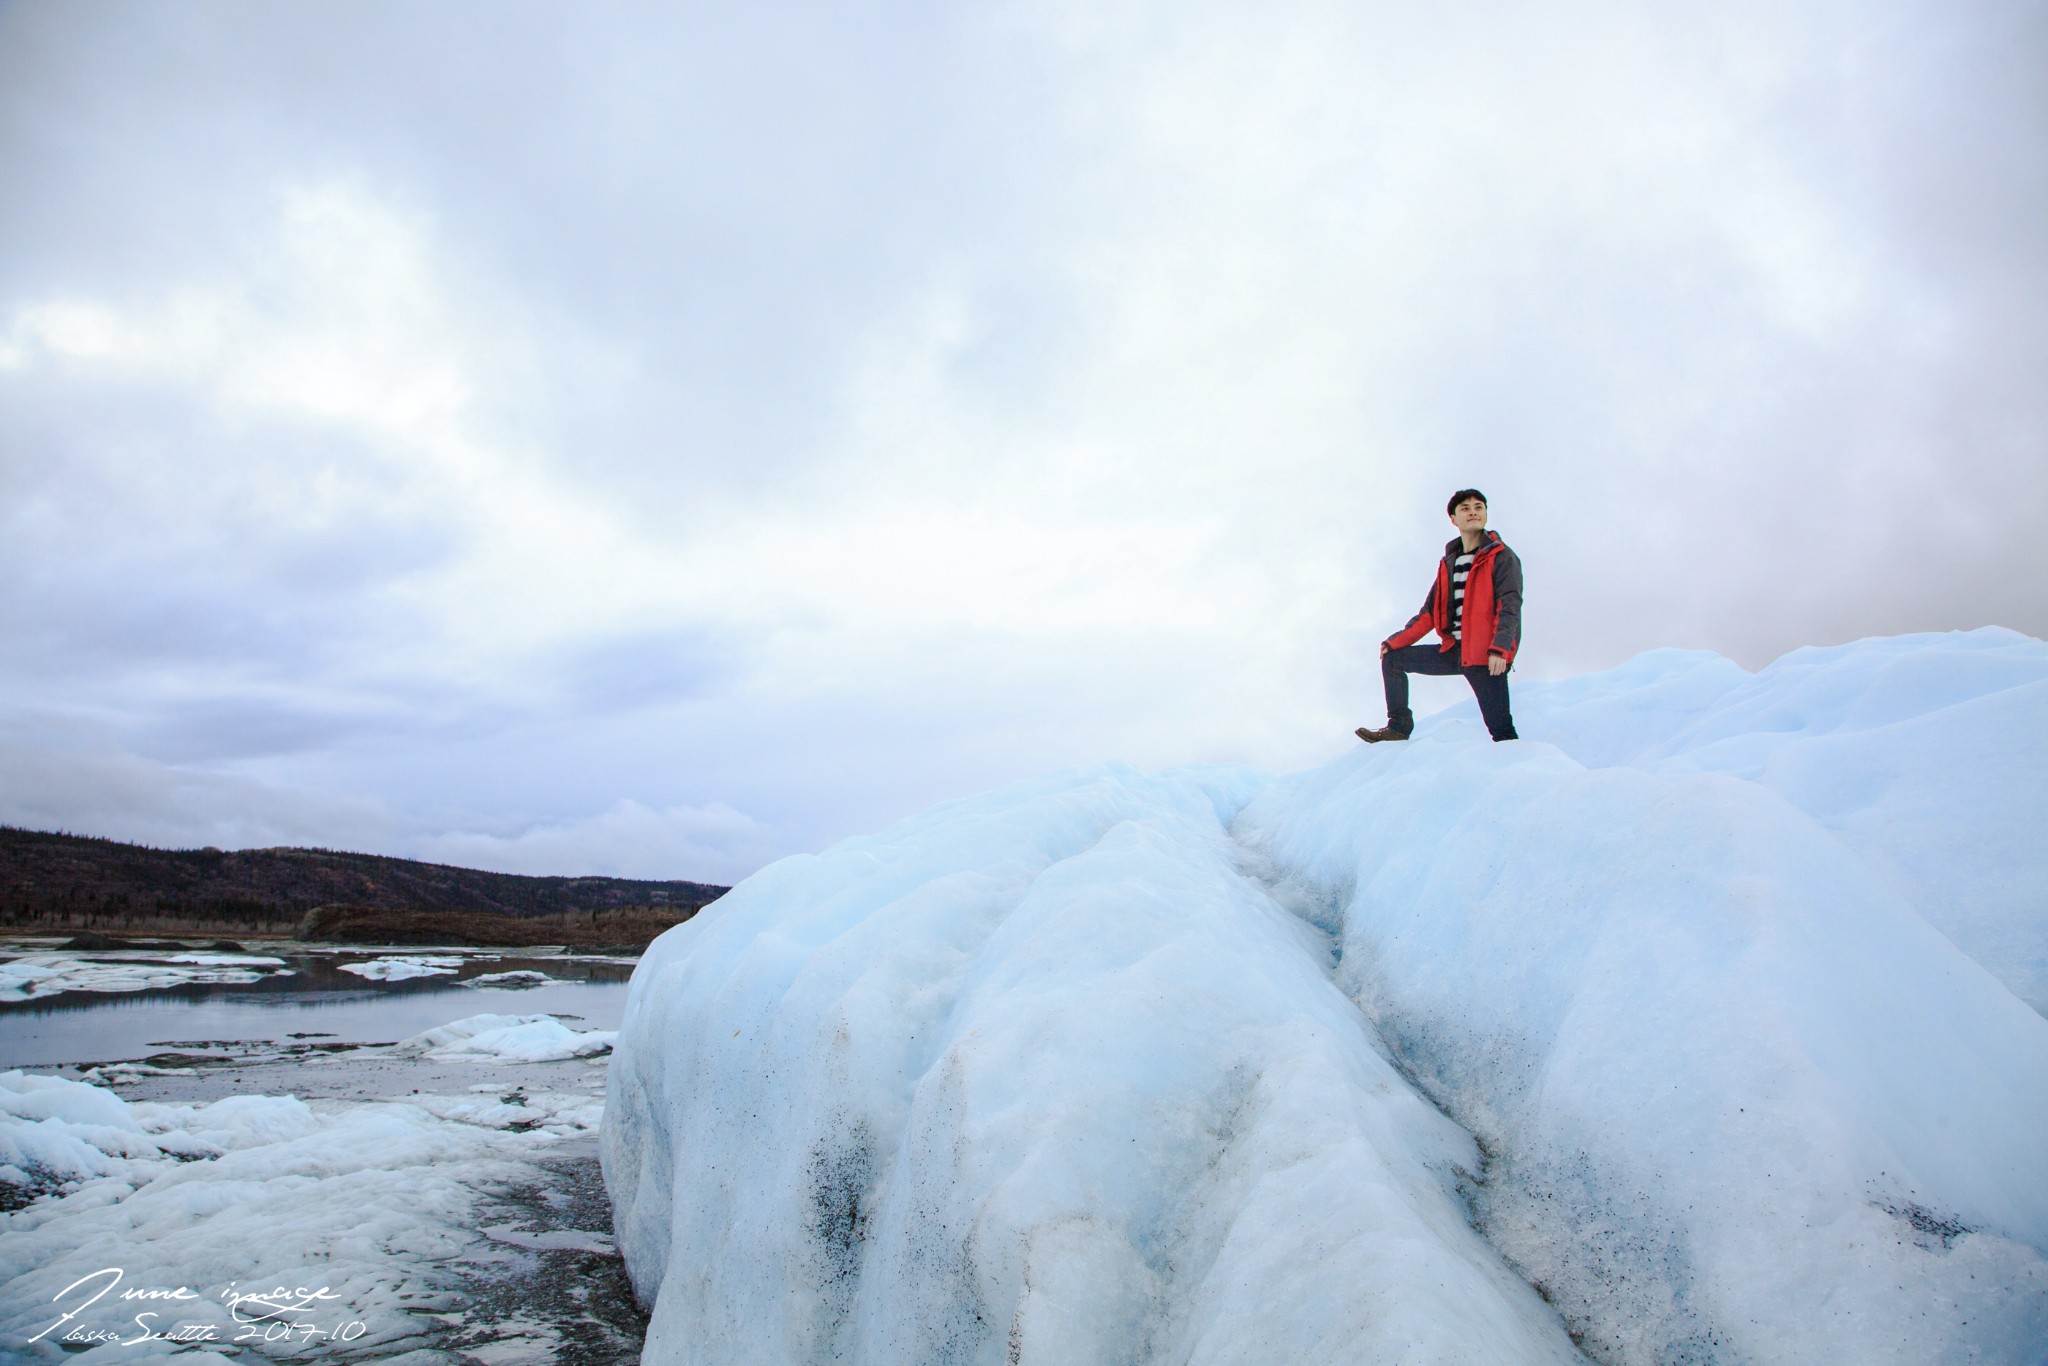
[1420, 625]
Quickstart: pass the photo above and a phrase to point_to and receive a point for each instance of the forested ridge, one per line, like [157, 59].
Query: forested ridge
[80, 880]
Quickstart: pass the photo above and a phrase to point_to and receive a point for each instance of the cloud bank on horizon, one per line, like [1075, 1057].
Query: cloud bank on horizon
[652, 441]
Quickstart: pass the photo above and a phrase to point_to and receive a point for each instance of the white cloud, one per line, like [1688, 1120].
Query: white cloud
[698, 844]
[58, 774]
[780, 429]
[340, 318]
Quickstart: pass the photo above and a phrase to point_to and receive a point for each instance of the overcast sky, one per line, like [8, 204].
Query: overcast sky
[655, 439]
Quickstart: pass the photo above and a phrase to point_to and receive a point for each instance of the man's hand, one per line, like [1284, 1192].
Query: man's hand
[1496, 663]
[1385, 649]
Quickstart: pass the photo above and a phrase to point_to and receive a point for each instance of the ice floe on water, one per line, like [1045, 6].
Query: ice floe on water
[399, 967]
[513, 1038]
[1669, 1010]
[36, 975]
[516, 980]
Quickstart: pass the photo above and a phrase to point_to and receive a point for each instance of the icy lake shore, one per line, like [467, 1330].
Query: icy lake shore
[441, 1188]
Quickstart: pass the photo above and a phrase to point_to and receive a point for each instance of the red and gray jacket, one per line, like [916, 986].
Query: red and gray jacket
[1493, 604]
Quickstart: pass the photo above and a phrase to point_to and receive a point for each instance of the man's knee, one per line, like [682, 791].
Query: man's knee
[1418, 659]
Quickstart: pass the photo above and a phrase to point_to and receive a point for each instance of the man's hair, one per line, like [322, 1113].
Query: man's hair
[1460, 496]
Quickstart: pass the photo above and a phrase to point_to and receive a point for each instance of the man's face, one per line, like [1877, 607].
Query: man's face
[1469, 515]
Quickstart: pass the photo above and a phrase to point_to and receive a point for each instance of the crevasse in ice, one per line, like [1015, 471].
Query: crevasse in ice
[1695, 1027]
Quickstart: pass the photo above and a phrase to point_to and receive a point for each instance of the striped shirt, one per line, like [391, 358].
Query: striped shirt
[1460, 567]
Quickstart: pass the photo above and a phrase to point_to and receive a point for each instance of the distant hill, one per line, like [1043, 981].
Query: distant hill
[57, 881]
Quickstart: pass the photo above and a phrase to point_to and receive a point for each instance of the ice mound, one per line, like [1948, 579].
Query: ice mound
[1746, 1104]
[1043, 1076]
[399, 967]
[1111, 1067]
[511, 1038]
[1923, 754]
[55, 1134]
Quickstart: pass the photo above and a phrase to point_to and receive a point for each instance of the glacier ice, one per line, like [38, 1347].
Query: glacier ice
[1924, 754]
[1037, 1077]
[1658, 1011]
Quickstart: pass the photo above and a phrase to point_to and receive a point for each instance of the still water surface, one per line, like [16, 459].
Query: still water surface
[80, 1028]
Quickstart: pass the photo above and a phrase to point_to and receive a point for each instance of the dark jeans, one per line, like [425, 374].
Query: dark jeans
[1396, 665]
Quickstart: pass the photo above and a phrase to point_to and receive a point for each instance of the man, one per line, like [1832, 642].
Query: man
[1475, 606]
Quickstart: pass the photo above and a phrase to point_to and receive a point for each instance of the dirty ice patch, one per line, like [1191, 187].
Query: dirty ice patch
[1746, 1103]
[1039, 1076]
[35, 976]
[372, 1204]
[398, 968]
[557, 1114]
[511, 1038]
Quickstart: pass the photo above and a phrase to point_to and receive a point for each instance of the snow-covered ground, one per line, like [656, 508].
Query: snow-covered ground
[1705, 1009]
[394, 1209]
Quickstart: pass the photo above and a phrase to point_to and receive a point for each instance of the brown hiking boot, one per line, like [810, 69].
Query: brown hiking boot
[1373, 737]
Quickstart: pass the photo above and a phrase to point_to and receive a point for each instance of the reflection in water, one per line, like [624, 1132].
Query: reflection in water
[79, 1028]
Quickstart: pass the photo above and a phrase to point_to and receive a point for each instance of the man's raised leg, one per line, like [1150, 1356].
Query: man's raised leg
[1395, 666]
